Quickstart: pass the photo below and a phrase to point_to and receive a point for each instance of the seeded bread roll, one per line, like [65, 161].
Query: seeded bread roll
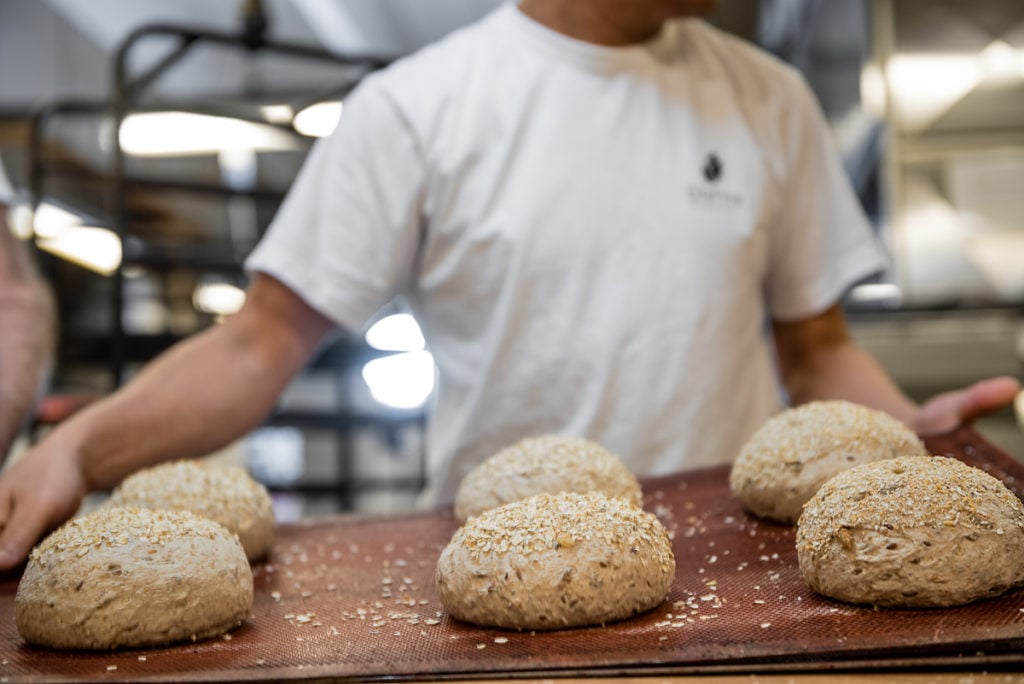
[225, 494]
[912, 531]
[130, 577]
[782, 465]
[544, 465]
[554, 561]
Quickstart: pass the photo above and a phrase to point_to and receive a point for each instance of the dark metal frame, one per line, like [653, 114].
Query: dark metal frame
[128, 89]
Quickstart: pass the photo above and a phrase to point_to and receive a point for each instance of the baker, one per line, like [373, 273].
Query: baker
[592, 207]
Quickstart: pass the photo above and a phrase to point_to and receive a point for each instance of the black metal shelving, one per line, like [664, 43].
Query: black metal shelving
[122, 348]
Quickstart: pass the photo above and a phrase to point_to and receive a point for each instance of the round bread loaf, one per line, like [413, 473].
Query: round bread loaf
[224, 494]
[782, 465]
[912, 531]
[131, 577]
[554, 561]
[544, 465]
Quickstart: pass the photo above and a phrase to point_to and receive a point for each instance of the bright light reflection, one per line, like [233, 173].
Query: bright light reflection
[318, 120]
[402, 381]
[397, 332]
[97, 249]
[885, 294]
[156, 134]
[220, 299]
[277, 114]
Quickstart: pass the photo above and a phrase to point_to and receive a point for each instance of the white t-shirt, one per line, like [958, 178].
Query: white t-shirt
[593, 239]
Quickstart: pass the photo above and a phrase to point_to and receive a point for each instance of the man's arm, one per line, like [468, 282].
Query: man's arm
[27, 325]
[818, 360]
[196, 397]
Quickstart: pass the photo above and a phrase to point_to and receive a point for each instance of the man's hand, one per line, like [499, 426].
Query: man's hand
[949, 410]
[37, 493]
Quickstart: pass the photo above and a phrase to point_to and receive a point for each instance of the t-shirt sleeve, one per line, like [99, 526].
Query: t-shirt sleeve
[345, 237]
[821, 243]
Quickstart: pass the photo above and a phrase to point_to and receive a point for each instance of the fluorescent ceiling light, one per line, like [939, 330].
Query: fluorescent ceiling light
[926, 85]
[397, 332]
[402, 381]
[64, 234]
[97, 249]
[221, 299]
[318, 120]
[1000, 62]
[159, 134]
[49, 220]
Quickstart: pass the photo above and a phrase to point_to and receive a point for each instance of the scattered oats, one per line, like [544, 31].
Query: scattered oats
[759, 602]
[765, 625]
[276, 595]
[481, 646]
[431, 621]
[226, 637]
[663, 638]
[111, 668]
[142, 659]
[501, 640]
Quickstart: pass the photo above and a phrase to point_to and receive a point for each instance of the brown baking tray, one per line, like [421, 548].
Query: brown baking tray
[352, 598]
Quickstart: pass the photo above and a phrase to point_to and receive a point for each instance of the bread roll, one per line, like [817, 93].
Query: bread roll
[130, 577]
[225, 494]
[556, 560]
[782, 465]
[544, 465]
[912, 531]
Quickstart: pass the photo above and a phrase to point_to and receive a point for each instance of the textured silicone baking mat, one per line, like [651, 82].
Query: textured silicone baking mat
[353, 598]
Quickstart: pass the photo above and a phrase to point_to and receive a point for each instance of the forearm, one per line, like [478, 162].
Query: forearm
[845, 371]
[819, 360]
[196, 398]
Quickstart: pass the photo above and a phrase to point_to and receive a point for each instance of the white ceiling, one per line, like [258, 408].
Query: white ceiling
[64, 48]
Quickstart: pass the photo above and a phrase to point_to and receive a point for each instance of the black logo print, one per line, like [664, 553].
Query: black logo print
[712, 168]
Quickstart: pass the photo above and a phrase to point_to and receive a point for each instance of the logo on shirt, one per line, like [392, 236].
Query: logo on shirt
[712, 168]
[711, 194]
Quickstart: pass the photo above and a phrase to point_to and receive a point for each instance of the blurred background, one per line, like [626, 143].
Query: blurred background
[151, 141]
